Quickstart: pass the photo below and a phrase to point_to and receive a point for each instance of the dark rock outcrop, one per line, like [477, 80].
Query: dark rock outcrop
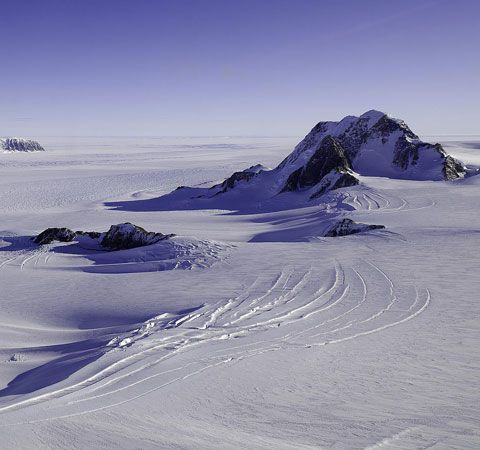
[452, 168]
[329, 169]
[345, 227]
[329, 157]
[55, 234]
[126, 235]
[20, 145]
[118, 237]
[355, 136]
[385, 126]
[236, 177]
[90, 234]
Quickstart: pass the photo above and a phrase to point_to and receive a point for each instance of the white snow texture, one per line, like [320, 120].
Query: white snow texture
[252, 328]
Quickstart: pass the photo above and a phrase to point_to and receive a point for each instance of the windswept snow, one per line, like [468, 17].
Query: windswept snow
[275, 336]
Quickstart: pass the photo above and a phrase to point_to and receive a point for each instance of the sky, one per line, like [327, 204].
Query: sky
[235, 67]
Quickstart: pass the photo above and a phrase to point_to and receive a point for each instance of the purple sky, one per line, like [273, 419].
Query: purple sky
[224, 67]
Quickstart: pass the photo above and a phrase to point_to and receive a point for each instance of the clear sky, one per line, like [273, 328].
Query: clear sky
[235, 67]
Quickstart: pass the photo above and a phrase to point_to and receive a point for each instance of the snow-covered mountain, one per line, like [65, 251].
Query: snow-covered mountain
[378, 145]
[332, 156]
[14, 144]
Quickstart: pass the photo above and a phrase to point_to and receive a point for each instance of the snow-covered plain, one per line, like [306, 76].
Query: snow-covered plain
[246, 330]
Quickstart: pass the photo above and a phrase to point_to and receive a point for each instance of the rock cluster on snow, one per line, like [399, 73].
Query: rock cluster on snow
[20, 145]
[118, 237]
[345, 227]
[127, 235]
[55, 234]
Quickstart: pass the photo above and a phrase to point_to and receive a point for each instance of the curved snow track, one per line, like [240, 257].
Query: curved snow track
[295, 307]
[372, 200]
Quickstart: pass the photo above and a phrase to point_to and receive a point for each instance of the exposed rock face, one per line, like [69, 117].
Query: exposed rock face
[452, 168]
[127, 235]
[236, 177]
[345, 227]
[55, 234]
[20, 145]
[329, 157]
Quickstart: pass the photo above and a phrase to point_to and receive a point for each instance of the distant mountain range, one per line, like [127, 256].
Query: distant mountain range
[20, 145]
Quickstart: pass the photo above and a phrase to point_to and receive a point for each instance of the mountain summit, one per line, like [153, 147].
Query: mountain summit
[379, 145]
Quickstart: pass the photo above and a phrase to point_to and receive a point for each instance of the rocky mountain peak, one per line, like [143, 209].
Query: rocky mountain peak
[386, 125]
[373, 115]
[378, 145]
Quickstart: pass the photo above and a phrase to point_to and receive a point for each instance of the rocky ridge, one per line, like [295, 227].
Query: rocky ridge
[119, 237]
[20, 145]
[345, 227]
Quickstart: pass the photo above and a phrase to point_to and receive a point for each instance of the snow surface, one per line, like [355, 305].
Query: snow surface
[249, 329]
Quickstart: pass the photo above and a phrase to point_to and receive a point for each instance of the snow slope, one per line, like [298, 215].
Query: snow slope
[274, 336]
